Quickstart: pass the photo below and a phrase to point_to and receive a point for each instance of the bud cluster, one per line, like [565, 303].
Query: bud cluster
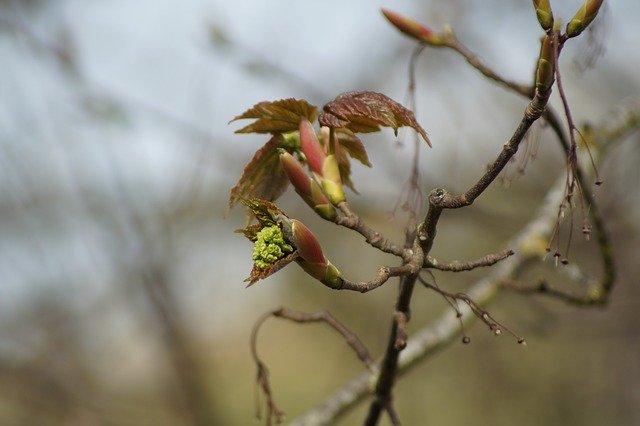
[278, 240]
[323, 191]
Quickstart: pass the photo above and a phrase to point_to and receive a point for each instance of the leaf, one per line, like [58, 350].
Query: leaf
[260, 274]
[353, 145]
[265, 211]
[263, 177]
[364, 112]
[277, 117]
[251, 231]
[349, 146]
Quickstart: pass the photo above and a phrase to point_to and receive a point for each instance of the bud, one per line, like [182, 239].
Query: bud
[585, 15]
[321, 204]
[296, 174]
[279, 240]
[325, 167]
[306, 187]
[311, 146]
[311, 258]
[544, 14]
[269, 247]
[413, 28]
[331, 181]
[545, 71]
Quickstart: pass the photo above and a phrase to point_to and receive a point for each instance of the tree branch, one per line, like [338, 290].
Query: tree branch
[352, 221]
[456, 266]
[384, 273]
[444, 330]
[389, 365]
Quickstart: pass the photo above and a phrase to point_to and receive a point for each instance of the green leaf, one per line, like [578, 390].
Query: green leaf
[277, 117]
[364, 112]
[263, 177]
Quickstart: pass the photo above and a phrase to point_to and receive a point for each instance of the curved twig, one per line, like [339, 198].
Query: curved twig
[456, 266]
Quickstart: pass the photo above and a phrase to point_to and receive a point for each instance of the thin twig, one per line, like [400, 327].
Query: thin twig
[457, 266]
[262, 379]
[482, 314]
[384, 273]
[349, 219]
[389, 365]
[323, 316]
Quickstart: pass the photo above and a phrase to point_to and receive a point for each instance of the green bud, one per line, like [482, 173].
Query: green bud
[585, 15]
[269, 247]
[291, 140]
[545, 70]
[331, 181]
[320, 203]
[311, 258]
[544, 14]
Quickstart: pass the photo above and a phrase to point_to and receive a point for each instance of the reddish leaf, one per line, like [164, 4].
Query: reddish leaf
[349, 146]
[251, 231]
[265, 211]
[260, 274]
[363, 112]
[280, 116]
[353, 145]
[263, 177]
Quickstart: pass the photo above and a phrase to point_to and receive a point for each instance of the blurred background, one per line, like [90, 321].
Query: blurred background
[121, 293]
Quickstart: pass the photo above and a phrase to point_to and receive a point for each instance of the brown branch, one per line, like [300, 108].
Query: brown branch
[384, 273]
[444, 330]
[440, 199]
[411, 267]
[456, 266]
[533, 111]
[262, 379]
[351, 220]
[323, 316]
[389, 366]
[482, 314]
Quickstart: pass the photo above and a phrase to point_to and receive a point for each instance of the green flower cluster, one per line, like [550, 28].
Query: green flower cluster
[269, 247]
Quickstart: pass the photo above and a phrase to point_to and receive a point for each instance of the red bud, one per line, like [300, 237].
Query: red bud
[412, 28]
[311, 146]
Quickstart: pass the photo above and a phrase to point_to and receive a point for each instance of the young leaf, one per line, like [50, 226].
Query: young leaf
[353, 145]
[263, 177]
[260, 274]
[363, 112]
[280, 116]
[349, 146]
